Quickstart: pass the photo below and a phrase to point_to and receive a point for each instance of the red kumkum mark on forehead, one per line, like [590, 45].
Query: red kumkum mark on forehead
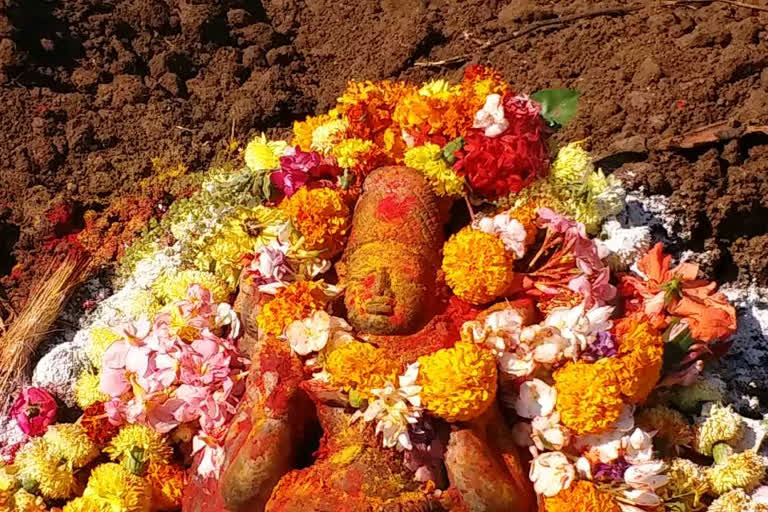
[392, 207]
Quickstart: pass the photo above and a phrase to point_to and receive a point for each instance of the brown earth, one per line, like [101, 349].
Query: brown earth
[92, 90]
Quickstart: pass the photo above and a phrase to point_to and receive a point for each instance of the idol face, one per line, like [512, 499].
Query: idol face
[388, 289]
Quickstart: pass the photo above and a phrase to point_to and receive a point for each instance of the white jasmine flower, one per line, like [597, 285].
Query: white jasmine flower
[498, 331]
[551, 472]
[509, 230]
[536, 398]
[491, 116]
[395, 408]
[584, 468]
[312, 334]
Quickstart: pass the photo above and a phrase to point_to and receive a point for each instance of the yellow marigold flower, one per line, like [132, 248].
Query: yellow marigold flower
[477, 266]
[167, 482]
[40, 469]
[348, 153]
[261, 153]
[739, 471]
[671, 427]
[173, 286]
[442, 178]
[87, 504]
[640, 357]
[302, 130]
[119, 488]
[588, 396]
[581, 496]
[436, 109]
[69, 441]
[26, 502]
[360, 367]
[459, 383]
[687, 483]
[329, 134]
[722, 425]
[101, 339]
[132, 439]
[8, 481]
[294, 302]
[322, 218]
[88, 390]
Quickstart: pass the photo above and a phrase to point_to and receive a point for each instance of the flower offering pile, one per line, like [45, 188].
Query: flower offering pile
[417, 302]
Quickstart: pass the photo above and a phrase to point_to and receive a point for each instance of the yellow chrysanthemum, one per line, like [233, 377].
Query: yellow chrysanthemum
[330, 134]
[722, 425]
[321, 216]
[640, 357]
[360, 367]
[141, 304]
[302, 130]
[88, 391]
[735, 501]
[739, 471]
[101, 339]
[88, 504]
[477, 266]
[173, 286]
[261, 153]
[167, 482]
[571, 167]
[440, 89]
[119, 488]
[459, 383]
[588, 396]
[138, 440]
[442, 178]
[348, 153]
[687, 483]
[581, 496]
[237, 236]
[45, 472]
[26, 502]
[69, 441]
[671, 427]
[294, 302]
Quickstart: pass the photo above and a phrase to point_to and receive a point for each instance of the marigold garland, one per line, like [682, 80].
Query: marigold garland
[361, 367]
[167, 482]
[459, 383]
[640, 358]
[295, 301]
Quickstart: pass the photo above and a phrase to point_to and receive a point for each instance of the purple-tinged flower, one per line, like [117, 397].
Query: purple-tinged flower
[613, 472]
[603, 346]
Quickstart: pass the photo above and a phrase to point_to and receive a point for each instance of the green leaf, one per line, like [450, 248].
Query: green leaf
[557, 105]
[450, 148]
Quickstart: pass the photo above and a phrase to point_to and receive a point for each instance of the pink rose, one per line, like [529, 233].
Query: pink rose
[34, 410]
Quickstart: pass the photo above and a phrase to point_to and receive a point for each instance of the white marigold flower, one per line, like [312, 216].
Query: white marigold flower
[491, 116]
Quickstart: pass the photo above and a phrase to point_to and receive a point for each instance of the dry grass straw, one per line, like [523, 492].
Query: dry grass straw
[25, 333]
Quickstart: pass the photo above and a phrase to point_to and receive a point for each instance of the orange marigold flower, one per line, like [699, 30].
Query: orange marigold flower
[434, 113]
[294, 302]
[583, 496]
[96, 424]
[321, 216]
[302, 130]
[480, 81]
[167, 482]
[640, 358]
[361, 367]
[588, 396]
[477, 266]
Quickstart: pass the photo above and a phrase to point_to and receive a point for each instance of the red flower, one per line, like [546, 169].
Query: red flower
[497, 166]
[34, 410]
